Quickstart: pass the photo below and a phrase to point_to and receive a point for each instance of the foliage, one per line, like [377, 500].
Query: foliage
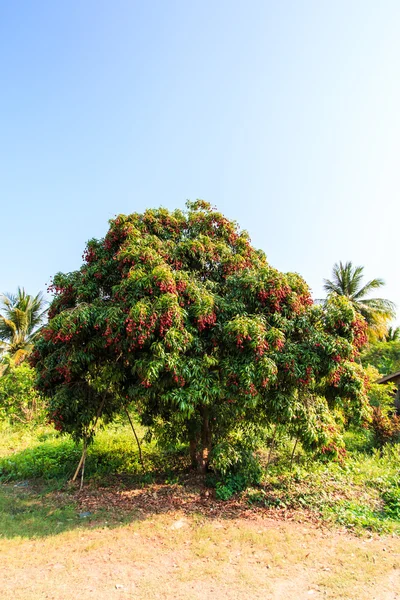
[361, 491]
[384, 423]
[393, 334]
[381, 515]
[386, 427]
[54, 458]
[379, 395]
[178, 316]
[391, 498]
[234, 461]
[42, 453]
[20, 402]
[384, 356]
[347, 281]
[20, 316]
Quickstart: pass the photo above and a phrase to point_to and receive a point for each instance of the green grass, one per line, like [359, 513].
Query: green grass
[28, 514]
[357, 516]
[362, 492]
[27, 454]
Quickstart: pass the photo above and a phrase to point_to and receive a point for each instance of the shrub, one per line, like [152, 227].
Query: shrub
[235, 466]
[386, 428]
[20, 402]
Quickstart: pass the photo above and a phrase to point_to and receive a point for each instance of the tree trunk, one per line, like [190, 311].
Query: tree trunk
[193, 451]
[205, 448]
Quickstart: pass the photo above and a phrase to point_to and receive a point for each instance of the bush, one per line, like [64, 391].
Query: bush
[384, 356]
[19, 400]
[380, 396]
[392, 502]
[235, 466]
[386, 428]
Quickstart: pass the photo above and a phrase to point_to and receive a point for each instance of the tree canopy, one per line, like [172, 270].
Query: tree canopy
[176, 315]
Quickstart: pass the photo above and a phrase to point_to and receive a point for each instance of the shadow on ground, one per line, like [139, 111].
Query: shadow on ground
[33, 510]
[37, 499]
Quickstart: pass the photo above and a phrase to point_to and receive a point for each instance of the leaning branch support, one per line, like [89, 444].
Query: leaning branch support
[272, 446]
[87, 436]
[136, 438]
[83, 457]
[83, 463]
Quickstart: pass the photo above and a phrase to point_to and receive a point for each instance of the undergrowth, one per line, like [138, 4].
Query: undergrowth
[361, 492]
[42, 453]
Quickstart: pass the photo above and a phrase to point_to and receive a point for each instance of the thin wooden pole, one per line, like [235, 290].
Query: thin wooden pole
[83, 457]
[294, 449]
[136, 437]
[83, 463]
[78, 467]
[272, 445]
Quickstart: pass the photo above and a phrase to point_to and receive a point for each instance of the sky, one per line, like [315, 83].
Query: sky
[283, 114]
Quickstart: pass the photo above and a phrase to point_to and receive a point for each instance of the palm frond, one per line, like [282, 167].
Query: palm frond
[7, 328]
[374, 284]
[347, 281]
[384, 307]
[331, 287]
[20, 317]
[393, 334]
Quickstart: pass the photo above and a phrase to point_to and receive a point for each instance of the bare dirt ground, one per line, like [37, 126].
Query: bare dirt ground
[168, 545]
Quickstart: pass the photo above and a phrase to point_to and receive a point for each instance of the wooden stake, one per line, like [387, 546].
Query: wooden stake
[136, 437]
[83, 463]
[79, 466]
[271, 446]
[83, 457]
[294, 449]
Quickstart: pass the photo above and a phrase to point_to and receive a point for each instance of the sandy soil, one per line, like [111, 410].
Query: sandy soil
[181, 556]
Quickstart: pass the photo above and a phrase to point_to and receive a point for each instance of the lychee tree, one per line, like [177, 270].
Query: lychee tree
[177, 316]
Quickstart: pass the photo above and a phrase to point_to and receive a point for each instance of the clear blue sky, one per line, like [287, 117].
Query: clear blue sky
[284, 114]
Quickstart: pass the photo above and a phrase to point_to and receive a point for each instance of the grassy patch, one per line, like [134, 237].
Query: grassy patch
[358, 516]
[44, 454]
[26, 513]
[362, 492]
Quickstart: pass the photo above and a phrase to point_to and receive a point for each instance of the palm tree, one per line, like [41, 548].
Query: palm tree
[393, 334]
[347, 281]
[20, 316]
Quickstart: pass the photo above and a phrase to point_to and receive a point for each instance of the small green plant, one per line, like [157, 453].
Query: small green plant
[357, 516]
[235, 465]
[261, 497]
[390, 494]
[386, 427]
[231, 485]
